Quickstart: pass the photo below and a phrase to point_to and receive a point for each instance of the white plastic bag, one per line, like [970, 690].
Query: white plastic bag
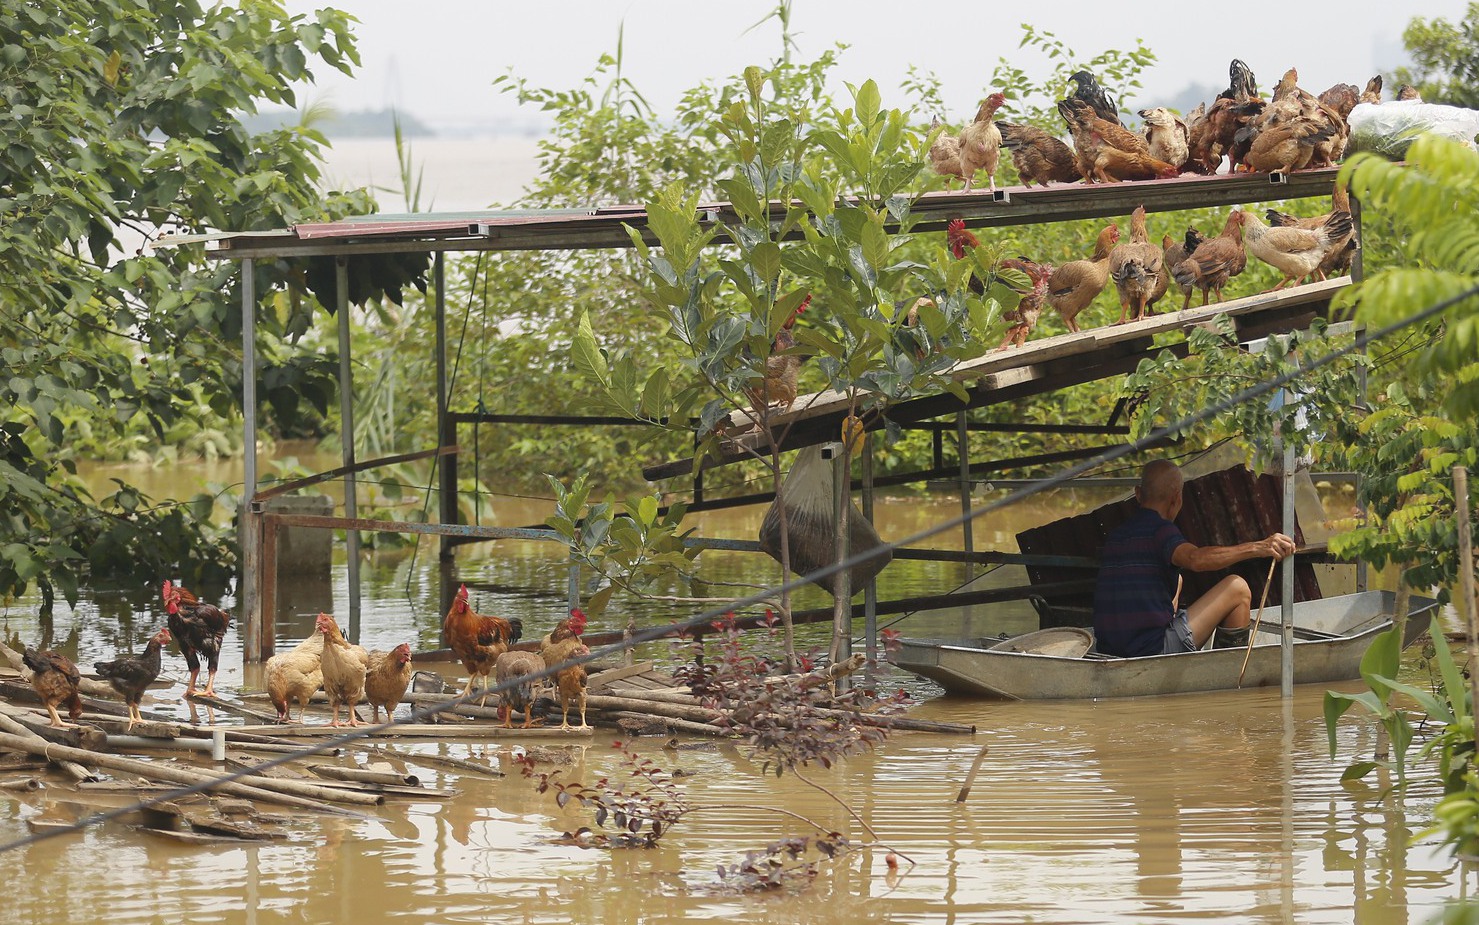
[1388, 128]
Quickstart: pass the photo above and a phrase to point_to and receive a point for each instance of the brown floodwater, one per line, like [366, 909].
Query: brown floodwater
[1220, 807]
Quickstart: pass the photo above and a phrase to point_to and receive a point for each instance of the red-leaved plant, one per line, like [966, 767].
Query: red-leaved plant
[791, 720]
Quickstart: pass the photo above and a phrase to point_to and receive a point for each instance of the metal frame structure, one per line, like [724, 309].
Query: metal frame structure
[1039, 367]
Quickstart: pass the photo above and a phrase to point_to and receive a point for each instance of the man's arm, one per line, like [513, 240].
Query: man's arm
[1212, 558]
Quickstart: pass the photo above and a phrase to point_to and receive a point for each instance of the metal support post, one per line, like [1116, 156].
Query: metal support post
[250, 536]
[346, 438]
[870, 593]
[841, 648]
[963, 442]
[1286, 586]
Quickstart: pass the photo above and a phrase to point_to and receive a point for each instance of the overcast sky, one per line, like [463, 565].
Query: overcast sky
[437, 59]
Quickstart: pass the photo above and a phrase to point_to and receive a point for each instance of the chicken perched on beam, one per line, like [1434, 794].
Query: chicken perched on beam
[1024, 316]
[1135, 267]
[778, 385]
[1093, 136]
[1337, 260]
[131, 675]
[293, 676]
[1296, 252]
[1214, 262]
[386, 679]
[562, 644]
[1086, 88]
[514, 671]
[1166, 135]
[55, 680]
[478, 640]
[980, 143]
[1038, 156]
[945, 154]
[344, 668]
[1075, 284]
[199, 629]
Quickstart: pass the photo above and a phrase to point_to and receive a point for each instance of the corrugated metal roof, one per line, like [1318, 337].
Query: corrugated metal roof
[604, 226]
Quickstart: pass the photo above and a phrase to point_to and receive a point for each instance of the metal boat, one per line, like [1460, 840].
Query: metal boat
[1330, 636]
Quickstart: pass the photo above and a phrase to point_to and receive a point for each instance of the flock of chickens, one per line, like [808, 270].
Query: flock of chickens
[1294, 130]
[326, 660]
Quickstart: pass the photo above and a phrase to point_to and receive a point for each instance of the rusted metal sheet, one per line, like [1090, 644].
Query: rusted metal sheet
[1219, 509]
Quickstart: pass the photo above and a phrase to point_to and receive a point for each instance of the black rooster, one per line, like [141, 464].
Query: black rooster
[1087, 89]
[198, 628]
[1241, 85]
[131, 675]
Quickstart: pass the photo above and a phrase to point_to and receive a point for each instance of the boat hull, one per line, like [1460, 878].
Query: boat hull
[1337, 631]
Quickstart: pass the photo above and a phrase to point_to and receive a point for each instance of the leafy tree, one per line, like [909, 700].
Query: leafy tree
[1446, 56]
[124, 118]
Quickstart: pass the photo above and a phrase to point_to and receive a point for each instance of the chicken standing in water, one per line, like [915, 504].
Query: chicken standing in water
[132, 675]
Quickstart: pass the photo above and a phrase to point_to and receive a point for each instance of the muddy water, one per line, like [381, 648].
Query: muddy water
[1175, 809]
[1204, 807]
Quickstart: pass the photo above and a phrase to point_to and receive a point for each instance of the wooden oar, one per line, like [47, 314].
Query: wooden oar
[1253, 633]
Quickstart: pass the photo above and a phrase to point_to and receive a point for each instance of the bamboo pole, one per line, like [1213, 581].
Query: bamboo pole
[300, 788]
[677, 725]
[156, 771]
[363, 776]
[1466, 581]
[694, 714]
[70, 768]
[970, 778]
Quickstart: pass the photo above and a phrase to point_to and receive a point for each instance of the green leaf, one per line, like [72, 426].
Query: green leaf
[586, 355]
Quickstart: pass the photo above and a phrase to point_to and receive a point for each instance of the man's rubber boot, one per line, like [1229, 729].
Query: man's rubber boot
[1225, 638]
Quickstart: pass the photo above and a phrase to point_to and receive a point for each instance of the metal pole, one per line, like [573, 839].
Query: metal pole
[1466, 578]
[964, 449]
[446, 429]
[247, 587]
[1286, 604]
[1358, 273]
[346, 436]
[870, 593]
[841, 648]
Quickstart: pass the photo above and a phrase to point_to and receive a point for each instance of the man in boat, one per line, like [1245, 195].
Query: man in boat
[1136, 600]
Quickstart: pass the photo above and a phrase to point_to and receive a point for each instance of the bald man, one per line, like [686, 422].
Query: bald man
[1135, 608]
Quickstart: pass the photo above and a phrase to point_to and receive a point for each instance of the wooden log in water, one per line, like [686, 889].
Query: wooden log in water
[156, 771]
[118, 725]
[302, 788]
[693, 714]
[361, 775]
[236, 708]
[38, 724]
[465, 709]
[438, 761]
[677, 725]
[425, 731]
[70, 768]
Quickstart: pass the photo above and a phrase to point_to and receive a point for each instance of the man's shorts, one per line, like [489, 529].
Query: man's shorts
[1178, 635]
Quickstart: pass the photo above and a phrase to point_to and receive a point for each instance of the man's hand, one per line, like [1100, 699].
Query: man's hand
[1279, 546]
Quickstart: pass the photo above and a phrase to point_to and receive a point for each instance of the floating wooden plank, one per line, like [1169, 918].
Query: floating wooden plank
[598, 682]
